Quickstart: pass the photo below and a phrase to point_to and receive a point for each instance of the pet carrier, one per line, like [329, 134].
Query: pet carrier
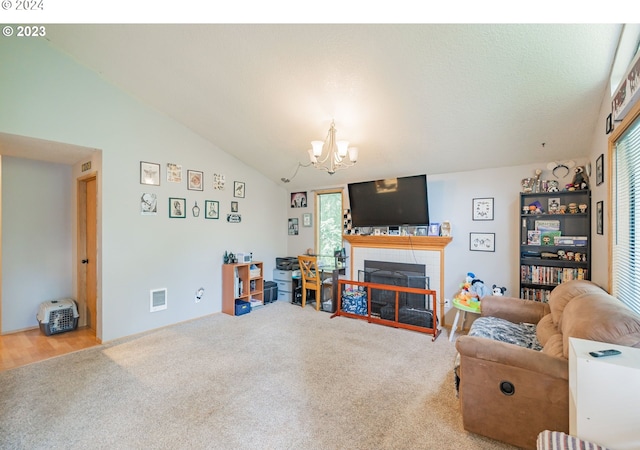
[58, 316]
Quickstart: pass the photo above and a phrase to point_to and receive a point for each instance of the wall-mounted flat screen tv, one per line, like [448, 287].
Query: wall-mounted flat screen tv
[390, 202]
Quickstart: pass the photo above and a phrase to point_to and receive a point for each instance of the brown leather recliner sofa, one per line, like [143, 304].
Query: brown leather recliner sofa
[511, 393]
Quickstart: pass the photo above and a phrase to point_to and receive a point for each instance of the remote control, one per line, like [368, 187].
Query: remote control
[601, 353]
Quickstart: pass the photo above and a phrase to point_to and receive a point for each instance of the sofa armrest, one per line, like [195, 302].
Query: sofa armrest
[513, 356]
[513, 309]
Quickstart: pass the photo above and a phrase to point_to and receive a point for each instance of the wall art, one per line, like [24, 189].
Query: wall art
[238, 189]
[600, 217]
[177, 208]
[218, 182]
[195, 180]
[211, 209]
[482, 242]
[174, 173]
[149, 173]
[298, 199]
[293, 226]
[483, 209]
[148, 204]
[600, 170]
[306, 220]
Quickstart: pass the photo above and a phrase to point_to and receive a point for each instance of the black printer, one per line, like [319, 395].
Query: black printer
[287, 263]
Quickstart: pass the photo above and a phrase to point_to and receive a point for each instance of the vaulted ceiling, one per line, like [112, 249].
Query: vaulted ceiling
[413, 98]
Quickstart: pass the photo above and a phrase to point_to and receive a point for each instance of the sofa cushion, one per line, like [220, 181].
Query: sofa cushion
[545, 329]
[554, 346]
[562, 294]
[600, 317]
[522, 334]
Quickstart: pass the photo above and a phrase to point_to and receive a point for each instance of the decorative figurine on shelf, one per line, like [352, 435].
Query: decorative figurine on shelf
[582, 207]
[499, 291]
[225, 258]
[445, 228]
[580, 179]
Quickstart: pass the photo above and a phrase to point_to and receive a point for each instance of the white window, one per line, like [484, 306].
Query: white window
[329, 226]
[625, 212]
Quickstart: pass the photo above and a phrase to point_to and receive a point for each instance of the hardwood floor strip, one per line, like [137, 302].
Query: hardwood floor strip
[26, 347]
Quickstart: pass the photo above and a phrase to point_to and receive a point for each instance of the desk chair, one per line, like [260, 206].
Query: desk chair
[310, 278]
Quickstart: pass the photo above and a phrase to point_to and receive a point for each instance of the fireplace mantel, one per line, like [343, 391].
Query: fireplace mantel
[400, 242]
[427, 244]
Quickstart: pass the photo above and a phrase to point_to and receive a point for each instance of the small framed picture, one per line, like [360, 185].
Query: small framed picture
[149, 173]
[196, 181]
[434, 229]
[421, 231]
[177, 208]
[298, 199]
[600, 170]
[148, 204]
[234, 207]
[293, 226]
[483, 208]
[238, 189]
[553, 206]
[482, 242]
[306, 220]
[600, 217]
[211, 209]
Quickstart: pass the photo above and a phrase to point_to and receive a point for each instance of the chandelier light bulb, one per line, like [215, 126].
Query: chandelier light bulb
[317, 148]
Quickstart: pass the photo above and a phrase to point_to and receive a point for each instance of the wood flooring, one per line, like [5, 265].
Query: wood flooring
[26, 347]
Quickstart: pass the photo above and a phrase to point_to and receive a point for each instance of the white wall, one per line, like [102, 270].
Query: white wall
[47, 95]
[37, 238]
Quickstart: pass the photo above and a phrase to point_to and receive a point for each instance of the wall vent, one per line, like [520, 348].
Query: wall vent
[158, 299]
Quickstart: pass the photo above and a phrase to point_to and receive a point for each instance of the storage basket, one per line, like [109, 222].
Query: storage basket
[58, 316]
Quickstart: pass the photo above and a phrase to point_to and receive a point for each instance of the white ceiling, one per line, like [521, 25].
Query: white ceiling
[413, 98]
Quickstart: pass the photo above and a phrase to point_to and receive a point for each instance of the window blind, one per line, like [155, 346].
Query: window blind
[626, 218]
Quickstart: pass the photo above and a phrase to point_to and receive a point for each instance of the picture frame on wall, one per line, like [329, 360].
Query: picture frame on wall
[482, 242]
[238, 189]
[211, 209]
[600, 217]
[293, 226]
[149, 173]
[298, 199]
[600, 170]
[234, 207]
[482, 208]
[177, 208]
[195, 180]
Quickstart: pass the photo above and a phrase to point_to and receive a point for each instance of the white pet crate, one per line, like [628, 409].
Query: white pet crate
[58, 316]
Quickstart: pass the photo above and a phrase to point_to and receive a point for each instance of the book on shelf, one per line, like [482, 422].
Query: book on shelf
[547, 225]
[551, 275]
[575, 241]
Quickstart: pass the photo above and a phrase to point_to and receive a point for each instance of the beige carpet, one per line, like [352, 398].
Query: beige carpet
[281, 377]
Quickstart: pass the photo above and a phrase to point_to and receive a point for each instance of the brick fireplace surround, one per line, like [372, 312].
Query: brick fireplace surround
[427, 250]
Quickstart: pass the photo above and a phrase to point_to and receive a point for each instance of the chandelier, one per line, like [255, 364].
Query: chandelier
[331, 155]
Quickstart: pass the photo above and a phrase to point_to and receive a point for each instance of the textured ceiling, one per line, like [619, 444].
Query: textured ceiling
[413, 98]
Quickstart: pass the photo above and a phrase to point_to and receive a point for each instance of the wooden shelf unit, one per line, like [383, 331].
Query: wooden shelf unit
[252, 285]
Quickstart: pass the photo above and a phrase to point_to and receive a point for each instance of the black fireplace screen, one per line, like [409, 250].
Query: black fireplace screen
[395, 274]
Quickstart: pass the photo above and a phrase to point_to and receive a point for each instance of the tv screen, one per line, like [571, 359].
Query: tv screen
[390, 202]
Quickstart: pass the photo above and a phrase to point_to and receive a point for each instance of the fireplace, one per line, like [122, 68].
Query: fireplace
[395, 274]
